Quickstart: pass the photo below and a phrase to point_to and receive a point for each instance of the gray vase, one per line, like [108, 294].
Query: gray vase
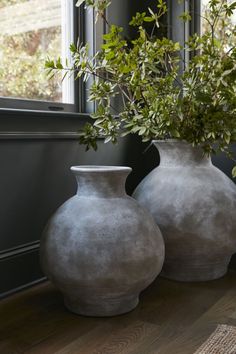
[194, 204]
[100, 248]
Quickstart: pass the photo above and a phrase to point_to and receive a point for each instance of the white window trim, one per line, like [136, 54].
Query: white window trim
[68, 29]
[68, 26]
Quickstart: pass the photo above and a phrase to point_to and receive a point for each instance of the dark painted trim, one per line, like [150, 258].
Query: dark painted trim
[28, 121]
[39, 135]
[80, 35]
[195, 10]
[22, 287]
[19, 250]
[27, 104]
[178, 30]
[40, 114]
[19, 269]
[41, 125]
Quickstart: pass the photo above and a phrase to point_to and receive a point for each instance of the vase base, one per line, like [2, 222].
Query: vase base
[102, 307]
[187, 272]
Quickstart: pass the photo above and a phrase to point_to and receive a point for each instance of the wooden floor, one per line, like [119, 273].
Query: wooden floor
[171, 318]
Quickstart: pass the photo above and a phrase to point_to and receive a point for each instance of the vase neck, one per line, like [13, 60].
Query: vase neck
[101, 181]
[175, 153]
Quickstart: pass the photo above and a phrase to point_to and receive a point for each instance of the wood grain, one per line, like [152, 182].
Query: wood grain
[172, 318]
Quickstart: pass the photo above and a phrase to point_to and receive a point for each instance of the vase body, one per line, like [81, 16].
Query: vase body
[194, 204]
[100, 248]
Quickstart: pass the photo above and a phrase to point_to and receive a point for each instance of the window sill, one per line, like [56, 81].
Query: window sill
[41, 113]
[13, 121]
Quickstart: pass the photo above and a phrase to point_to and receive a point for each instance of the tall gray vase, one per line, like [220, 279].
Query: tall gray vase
[100, 248]
[194, 204]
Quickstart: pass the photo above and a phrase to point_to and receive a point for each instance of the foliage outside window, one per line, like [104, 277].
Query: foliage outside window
[221, 24]
[30, 30]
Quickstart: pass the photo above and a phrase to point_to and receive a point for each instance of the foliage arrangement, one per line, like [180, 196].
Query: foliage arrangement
[197, 105]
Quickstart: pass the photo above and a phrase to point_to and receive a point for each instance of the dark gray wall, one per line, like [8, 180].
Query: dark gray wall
[36, 152]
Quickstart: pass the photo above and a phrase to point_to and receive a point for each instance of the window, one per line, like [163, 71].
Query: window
[205, 24]
[31, 30]
[180, 31]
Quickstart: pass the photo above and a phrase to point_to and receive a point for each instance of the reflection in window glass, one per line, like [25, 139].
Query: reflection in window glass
[226, 36]
[31, 30]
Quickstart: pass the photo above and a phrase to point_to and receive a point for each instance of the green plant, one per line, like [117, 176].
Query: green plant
[198, 106]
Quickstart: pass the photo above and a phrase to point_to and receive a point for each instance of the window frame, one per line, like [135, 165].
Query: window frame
[180, 31]
[50, 106]
[196, 10]
[86, 29]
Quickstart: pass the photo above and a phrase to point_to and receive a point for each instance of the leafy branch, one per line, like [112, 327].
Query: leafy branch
[198, 106]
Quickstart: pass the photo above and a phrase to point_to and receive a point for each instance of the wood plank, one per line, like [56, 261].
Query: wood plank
[126, 339]
[41, 316]
[172, 317]
[182, 305]
[220, 313]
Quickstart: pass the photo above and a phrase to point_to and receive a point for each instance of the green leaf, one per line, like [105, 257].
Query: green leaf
[227, 139]
[73, 48]
[135, 130]
[142, 131]
[234, 172]
[59, 64]
[149, 19]
[107, 36]
[175, 133]
[138, 19]
[110, 55]
[108, 138]
[151, 12]
[49, 64]
[79, 3]
[185, 16]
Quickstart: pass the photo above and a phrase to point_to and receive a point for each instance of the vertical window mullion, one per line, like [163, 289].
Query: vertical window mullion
[93, 35]
[67, 28]
[180, 31]
[195, 10]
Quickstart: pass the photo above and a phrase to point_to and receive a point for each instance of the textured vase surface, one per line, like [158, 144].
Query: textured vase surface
[194, 204]
[100, 248]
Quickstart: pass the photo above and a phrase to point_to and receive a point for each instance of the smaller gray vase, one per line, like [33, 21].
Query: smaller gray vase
[100, 248]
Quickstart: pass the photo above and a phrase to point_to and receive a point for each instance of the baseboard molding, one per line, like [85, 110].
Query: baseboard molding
[22, 287]
[20, 268]
[18, 250]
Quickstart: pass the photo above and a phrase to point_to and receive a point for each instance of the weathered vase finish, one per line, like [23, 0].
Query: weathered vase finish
[194, 204]
[101, 249]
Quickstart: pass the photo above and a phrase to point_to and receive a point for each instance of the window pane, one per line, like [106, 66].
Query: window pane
[226, 36]
[30, 31]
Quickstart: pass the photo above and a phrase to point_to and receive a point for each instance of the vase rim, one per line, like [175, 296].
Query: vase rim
[100, 168]
[170, 141]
